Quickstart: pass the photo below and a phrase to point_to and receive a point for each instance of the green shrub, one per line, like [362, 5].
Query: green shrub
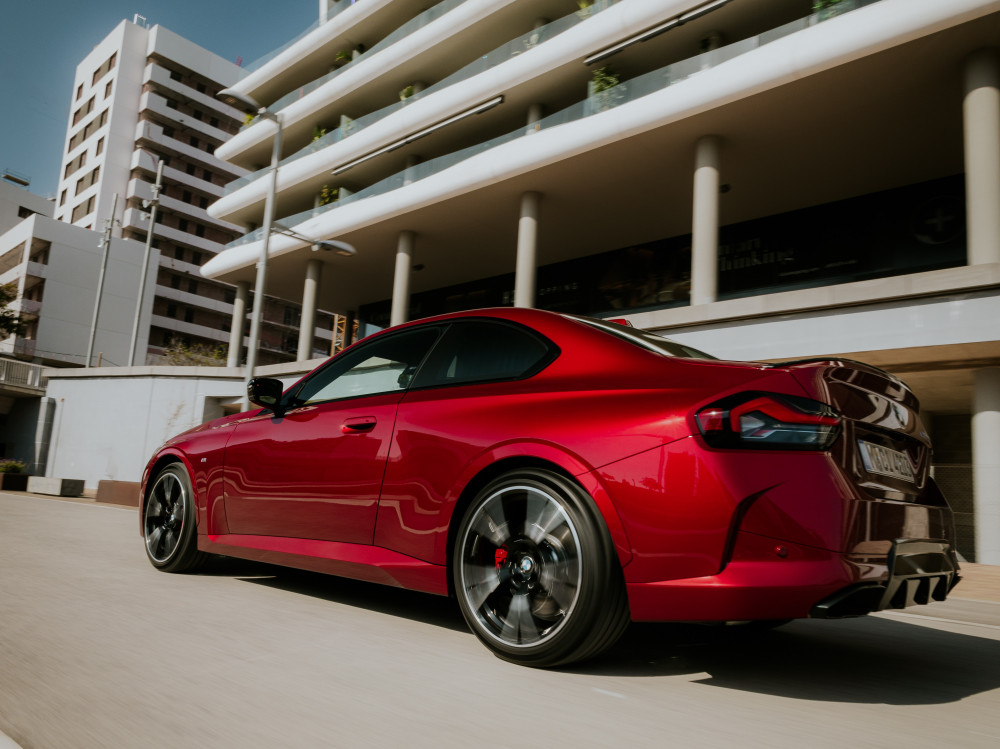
[10, 465]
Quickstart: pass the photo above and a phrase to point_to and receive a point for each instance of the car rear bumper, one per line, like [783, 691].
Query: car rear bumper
[770, 579]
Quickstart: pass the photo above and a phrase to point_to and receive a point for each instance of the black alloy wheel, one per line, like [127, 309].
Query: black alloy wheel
[168, 522]
[536, 573]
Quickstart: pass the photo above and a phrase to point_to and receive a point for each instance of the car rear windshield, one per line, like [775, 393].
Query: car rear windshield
[644, 339]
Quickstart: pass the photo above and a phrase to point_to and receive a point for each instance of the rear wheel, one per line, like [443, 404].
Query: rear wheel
[168, 523]
[536, 573]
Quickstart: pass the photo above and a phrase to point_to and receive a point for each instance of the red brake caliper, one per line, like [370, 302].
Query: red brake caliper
[500, 557]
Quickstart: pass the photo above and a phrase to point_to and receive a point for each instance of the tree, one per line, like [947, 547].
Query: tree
[177, 353]
[10, 321]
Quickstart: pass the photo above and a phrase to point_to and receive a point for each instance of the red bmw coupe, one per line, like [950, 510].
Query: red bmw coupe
[562, 476]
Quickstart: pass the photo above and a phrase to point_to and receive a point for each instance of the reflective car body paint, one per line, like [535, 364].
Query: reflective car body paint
[701, 533]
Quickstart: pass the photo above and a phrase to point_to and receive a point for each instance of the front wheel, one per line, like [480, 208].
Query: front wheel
[168, 524]
[536, 573]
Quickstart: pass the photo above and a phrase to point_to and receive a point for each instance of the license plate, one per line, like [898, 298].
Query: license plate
[885, 461]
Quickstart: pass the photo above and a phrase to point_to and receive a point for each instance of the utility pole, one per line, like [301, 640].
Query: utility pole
[152, 204]
[105, 243]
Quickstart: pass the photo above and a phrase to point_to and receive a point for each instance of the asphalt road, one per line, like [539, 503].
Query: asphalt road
[98, 649]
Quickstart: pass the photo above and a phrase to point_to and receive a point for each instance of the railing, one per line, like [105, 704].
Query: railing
[490, 60]
[623, 93]
[331, 11]
[21, 374]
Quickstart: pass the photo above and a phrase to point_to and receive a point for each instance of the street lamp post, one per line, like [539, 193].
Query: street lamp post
[247, 104]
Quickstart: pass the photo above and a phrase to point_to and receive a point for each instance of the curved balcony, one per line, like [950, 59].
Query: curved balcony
[427, 48]
[698, 88]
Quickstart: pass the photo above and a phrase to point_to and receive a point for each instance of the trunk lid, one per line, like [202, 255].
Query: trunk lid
[884, 447]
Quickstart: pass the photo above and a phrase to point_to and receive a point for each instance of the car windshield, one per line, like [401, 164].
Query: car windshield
[644, 339]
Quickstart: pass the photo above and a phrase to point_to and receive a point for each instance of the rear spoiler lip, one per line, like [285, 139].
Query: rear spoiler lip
[829, 360]
[834, 360]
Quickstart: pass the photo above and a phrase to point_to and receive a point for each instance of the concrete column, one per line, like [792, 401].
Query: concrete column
[527, 250]
[239, 318]
[981, 119]
[307, 325]
[401, 279]
[705, 222]
[986, 464]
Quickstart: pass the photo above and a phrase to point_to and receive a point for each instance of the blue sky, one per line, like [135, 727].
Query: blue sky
[44, 40]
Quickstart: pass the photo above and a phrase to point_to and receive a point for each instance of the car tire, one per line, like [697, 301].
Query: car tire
[168, 522]
[535, 571]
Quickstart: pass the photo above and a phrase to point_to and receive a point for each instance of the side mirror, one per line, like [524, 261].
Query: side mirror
[266, 392]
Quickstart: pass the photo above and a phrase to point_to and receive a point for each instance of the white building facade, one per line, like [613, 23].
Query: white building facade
[754, 177]
[145, 96]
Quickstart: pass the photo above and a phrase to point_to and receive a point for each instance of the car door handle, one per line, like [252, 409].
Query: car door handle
[358, 425]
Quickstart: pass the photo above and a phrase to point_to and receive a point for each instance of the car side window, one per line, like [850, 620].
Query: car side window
[484, 351]
[382, 366]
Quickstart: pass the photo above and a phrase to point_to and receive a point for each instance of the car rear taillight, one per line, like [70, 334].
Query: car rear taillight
[769, 421]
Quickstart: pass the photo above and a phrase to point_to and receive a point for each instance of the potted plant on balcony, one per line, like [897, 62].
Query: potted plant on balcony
[825, 9]
[12, 475]
[406, 92]
[602, 91]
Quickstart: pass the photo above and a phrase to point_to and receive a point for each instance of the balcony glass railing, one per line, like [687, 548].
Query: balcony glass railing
[429, 15]
[623, 93]
[331, 11]
[490, 60]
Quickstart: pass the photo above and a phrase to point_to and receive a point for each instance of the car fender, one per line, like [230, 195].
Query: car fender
[526, 452]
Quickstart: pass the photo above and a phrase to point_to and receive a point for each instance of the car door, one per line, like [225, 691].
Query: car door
[314, 469]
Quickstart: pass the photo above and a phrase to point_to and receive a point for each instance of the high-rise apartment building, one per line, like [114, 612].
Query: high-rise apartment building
[144, 96]
[763, 179]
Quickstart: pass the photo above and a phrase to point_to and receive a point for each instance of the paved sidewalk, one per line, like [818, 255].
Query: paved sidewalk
[980, 582]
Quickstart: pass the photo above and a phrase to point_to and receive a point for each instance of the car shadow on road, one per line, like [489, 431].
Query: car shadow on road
[408, 604]
[868, 660]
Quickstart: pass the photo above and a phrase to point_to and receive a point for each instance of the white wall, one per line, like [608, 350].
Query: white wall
[972, 317]
[108, 422]
[13, 198]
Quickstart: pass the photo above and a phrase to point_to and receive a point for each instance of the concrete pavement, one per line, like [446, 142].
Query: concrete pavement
[98, 649]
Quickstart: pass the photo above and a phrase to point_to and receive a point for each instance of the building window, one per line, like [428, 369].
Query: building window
[182, 224]
[196, 258]
[88, 179]
[102, 121]
[191, 169]
[175, 282]
[203, 202]
[186, 196]
[174, 75]
[201, 88]
[107, 89]
[197, 114]
[194, 141]
[172, 103]
[199, 230]
[75, 164]
[189, 315]
[213, 121]
[62, 198]
[171, 310]
[229, 297]
[100, 147]
[206, 175]
[79, 91]
[82, 210]
[168, 131]
[23, 212]
[179, 253]
[192, 286]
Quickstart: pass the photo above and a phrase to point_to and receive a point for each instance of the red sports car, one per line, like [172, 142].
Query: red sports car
[561, 476]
